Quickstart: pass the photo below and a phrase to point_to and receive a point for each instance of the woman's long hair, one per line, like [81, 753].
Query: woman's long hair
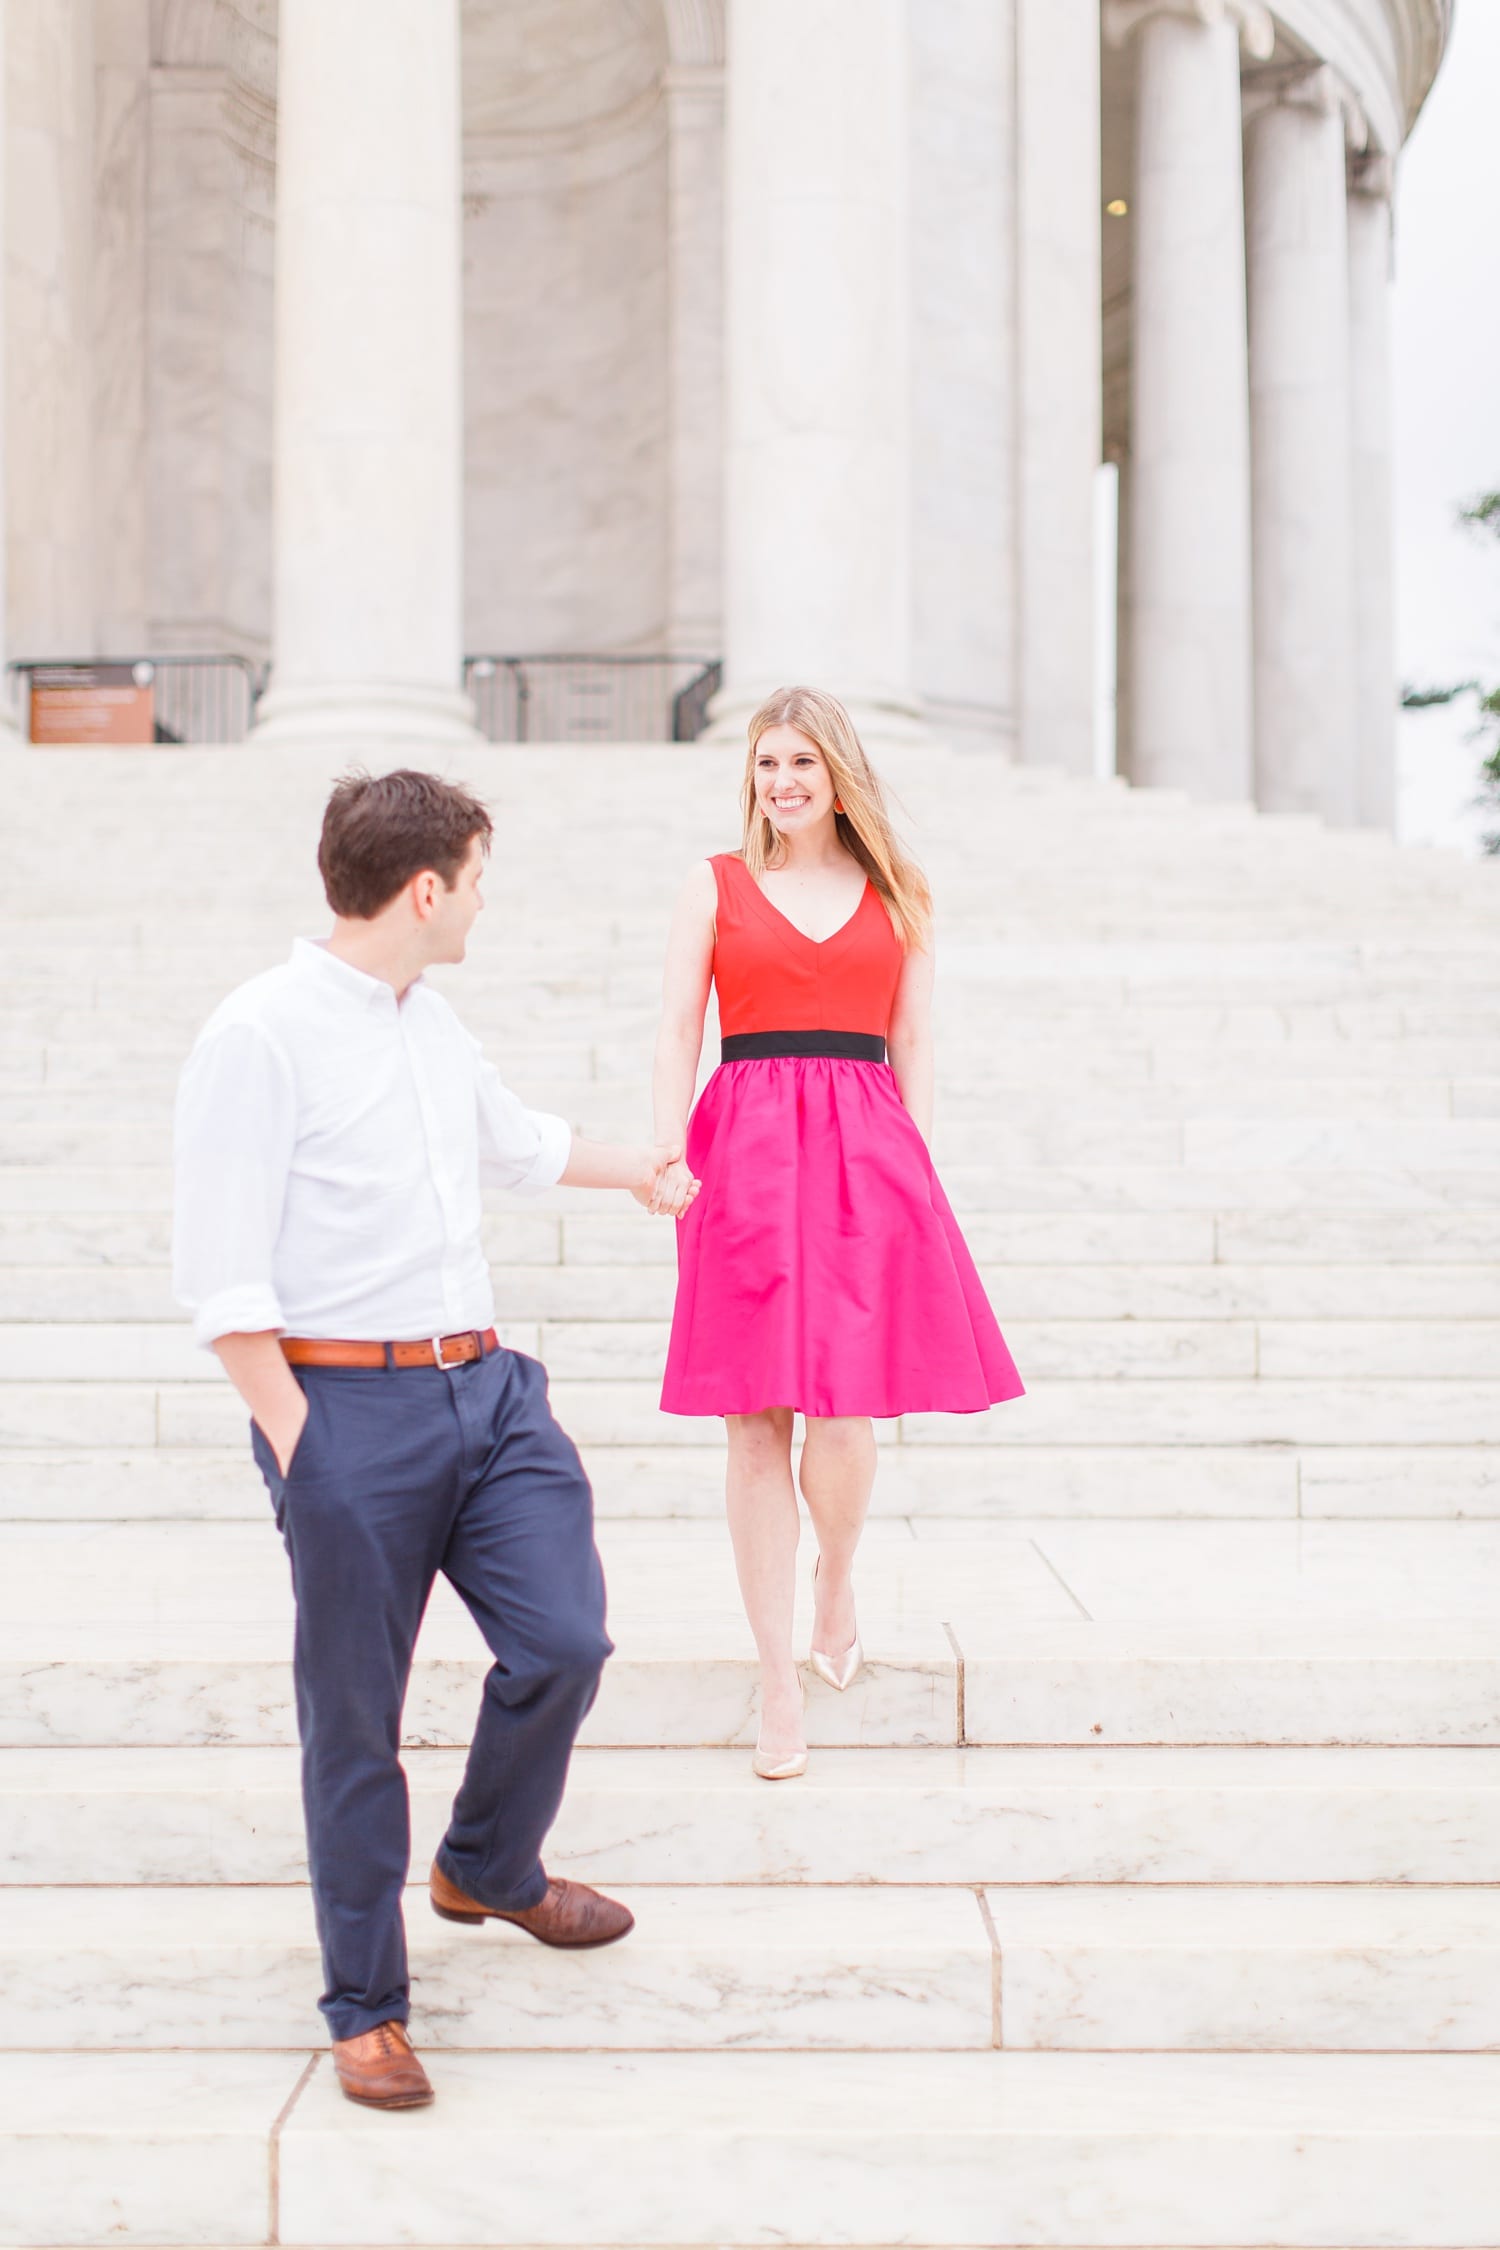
[864, 825]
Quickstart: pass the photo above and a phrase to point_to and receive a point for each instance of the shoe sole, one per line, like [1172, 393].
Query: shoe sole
[559, 1945]
[389, 2101]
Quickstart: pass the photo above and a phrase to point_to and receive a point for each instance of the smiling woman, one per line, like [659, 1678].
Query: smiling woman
[821, 1270]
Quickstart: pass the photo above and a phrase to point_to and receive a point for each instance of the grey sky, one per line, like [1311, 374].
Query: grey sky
[1447, 364]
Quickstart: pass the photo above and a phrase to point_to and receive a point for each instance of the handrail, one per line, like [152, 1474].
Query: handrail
[583, 696]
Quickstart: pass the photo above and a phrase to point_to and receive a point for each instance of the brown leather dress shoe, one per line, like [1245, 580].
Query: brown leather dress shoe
[380, 2069]
[570, 1914]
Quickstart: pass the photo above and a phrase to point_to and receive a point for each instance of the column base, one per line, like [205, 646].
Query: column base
[363, 714]
[881, 723]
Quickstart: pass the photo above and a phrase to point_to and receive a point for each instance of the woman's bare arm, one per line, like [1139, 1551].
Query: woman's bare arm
[909, 1040]
[686, 978]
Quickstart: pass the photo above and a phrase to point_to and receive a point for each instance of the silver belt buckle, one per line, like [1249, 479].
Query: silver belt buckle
[437, 1353]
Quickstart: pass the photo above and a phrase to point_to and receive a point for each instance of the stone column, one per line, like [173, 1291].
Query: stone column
[368, 444]
[52, 523]
[1297, 241]
[817, 576]
[7, 708]
[120, 281]
[1371, 181]
[693, 89]
[1189, 475]
[1059, 349]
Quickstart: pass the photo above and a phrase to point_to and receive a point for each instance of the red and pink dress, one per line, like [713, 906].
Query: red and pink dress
[820, 1266]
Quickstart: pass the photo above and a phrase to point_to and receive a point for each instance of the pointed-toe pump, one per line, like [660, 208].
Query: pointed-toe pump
[839, 1672]
[779, 1769]
[790, 1768]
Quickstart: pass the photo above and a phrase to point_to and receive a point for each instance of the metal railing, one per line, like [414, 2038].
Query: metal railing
[591, 698]
[183, 699]
[210, 699]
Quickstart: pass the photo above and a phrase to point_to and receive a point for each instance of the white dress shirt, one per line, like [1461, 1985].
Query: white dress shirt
[330, 1144]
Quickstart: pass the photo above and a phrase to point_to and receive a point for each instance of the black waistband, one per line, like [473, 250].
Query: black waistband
[755, 1046]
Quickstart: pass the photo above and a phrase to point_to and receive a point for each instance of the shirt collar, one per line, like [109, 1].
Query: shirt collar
[311, 958]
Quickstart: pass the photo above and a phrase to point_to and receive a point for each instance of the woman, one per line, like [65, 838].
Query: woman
[821, 1270]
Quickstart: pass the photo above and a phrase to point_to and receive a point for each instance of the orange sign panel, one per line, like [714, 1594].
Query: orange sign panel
[82, 703]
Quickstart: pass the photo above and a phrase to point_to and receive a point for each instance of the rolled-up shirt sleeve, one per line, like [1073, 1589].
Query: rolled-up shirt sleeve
[235, 1131]
[524, 1150]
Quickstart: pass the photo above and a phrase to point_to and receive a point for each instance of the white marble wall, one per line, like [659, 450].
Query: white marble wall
[566, 369]
[49, 360]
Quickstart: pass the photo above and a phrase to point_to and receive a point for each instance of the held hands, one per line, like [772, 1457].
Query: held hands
[668, 1187]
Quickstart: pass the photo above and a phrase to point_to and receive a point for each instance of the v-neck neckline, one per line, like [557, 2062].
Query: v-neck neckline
[788, 924]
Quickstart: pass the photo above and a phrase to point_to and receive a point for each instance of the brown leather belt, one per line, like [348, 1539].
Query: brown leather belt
[431, 1351]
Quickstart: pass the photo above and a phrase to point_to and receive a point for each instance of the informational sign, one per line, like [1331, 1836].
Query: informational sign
[83, 703]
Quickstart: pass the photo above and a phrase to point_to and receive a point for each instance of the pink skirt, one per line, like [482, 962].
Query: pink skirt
[821, 1267]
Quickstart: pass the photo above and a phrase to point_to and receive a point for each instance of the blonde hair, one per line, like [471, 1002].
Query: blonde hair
[864, 825]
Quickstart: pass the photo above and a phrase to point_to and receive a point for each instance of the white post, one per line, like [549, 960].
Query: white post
[1106, 576]
[1189, 517]
[818, 472]
[1298, 258]
[368, 444]
[1371, 184]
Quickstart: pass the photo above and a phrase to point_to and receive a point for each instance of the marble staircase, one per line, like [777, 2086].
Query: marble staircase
[1146, 1888]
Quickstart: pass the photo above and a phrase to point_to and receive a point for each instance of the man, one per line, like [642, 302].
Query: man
[334, 1122]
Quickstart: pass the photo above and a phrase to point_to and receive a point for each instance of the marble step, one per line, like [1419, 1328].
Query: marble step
[1066, 1633]
[1324, 1189]
[1140, 1292]
[1239, 1816]
[964, 1094]
[1045, 2149]
[593, 1348]
[1143, 1411]
[81, 1071]
[1001, 1141]
[1325, 1681]
[685, 1483]
[606, 1235]
[801, 1968]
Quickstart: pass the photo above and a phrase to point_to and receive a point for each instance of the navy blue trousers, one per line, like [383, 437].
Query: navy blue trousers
[399, 1475]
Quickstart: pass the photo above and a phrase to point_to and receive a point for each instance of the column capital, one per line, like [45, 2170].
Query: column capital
[1253, 22]
[1314, 86]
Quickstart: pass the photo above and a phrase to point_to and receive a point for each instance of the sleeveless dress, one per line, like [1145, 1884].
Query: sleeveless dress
[820, 1266]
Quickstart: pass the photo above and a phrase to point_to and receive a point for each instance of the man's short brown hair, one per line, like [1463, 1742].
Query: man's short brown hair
[380, 830]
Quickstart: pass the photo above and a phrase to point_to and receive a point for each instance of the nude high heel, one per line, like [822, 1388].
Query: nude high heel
[844, 1673]
[780, 1769]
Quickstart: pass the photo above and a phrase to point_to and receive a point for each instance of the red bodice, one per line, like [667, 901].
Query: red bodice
[771, 977]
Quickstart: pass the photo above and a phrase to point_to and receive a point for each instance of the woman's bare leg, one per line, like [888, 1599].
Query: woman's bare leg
[837, 1474]
[764, 1529]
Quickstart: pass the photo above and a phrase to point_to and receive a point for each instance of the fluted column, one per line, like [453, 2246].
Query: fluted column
[1371, 182]
[1189, 566]
[1297, 242]
[817, 583]
[7, 709]
[368, 443]
[693, 93]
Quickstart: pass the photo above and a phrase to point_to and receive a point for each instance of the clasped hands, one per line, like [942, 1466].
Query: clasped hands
[668, 1187]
